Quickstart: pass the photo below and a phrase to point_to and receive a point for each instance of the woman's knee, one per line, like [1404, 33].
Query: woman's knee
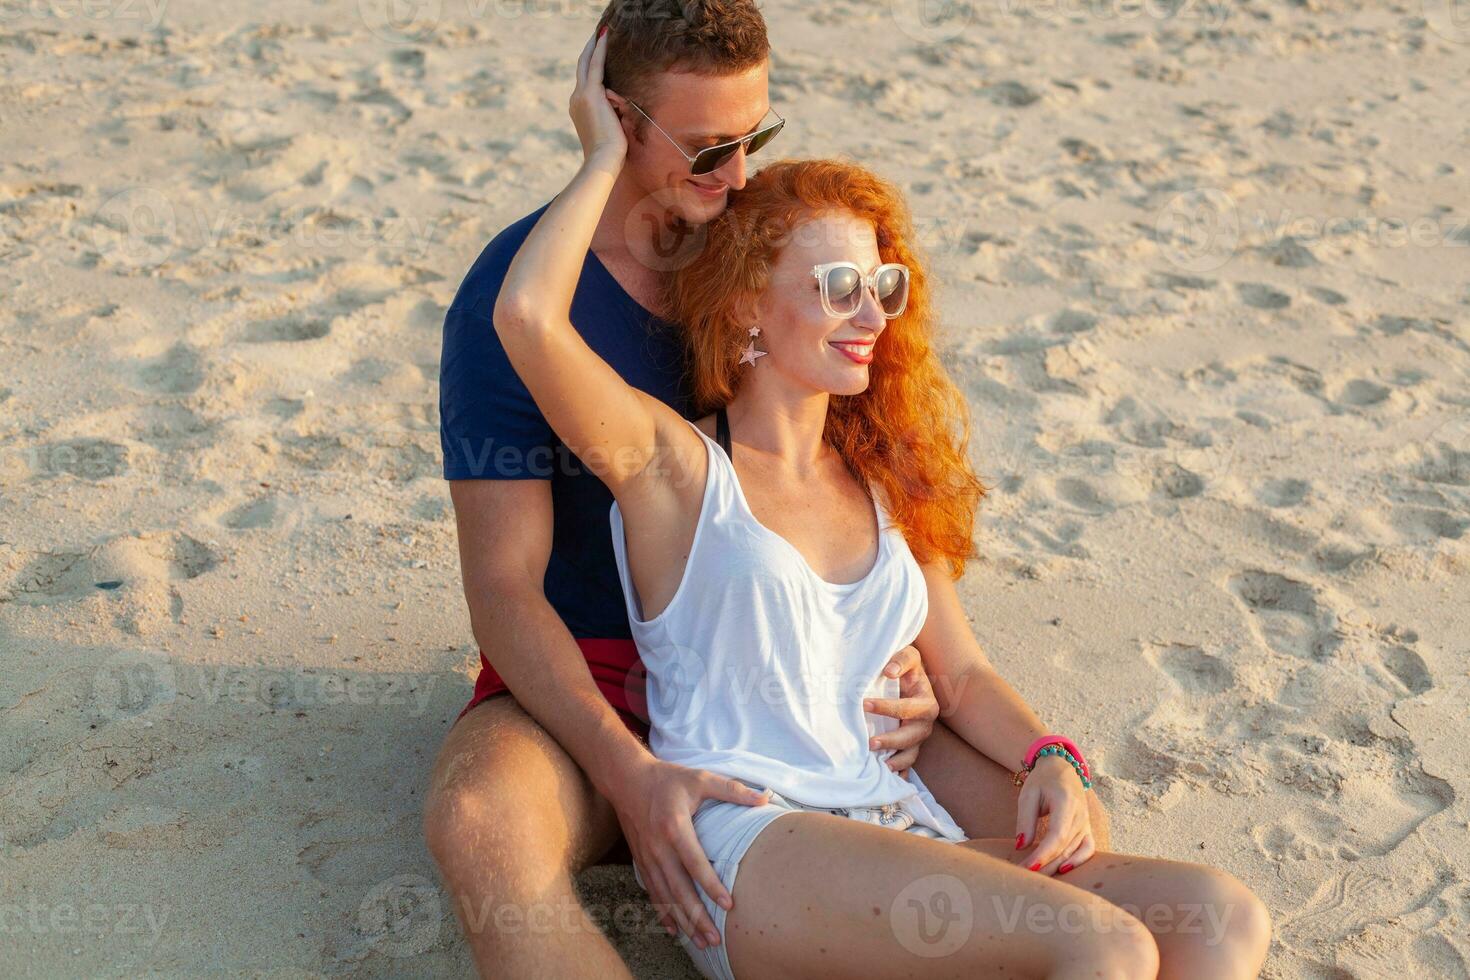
[1102, 835]
[1235, 917]
[1119, 946]
[1082, 935]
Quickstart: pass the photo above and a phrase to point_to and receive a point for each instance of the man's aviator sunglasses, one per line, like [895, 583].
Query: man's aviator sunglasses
[712, 158]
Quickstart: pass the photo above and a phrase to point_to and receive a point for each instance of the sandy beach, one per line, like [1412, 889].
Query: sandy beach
[1206, 285]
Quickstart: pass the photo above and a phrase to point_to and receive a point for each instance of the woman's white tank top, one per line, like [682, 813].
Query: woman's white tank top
[757, 668]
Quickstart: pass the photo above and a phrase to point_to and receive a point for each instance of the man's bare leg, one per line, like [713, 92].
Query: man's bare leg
[978, 792]
[510, 820]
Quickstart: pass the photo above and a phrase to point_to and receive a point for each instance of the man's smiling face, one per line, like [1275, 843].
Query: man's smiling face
[695, 111]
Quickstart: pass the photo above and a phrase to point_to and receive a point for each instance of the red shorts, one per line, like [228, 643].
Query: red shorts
[616, 670]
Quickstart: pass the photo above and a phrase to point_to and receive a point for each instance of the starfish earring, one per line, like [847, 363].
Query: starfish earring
[749, 355]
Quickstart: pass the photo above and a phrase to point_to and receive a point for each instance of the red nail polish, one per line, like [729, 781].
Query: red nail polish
[1036, 866]
[602, 30]
[1020, 841]
[1064, 869]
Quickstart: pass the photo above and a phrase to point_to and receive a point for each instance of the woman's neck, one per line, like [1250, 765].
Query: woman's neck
[768, 416]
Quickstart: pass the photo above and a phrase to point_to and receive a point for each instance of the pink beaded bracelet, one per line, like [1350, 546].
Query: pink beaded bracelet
[1061, 740]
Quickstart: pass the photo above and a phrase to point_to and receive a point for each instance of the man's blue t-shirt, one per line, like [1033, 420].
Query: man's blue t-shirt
[491, 429]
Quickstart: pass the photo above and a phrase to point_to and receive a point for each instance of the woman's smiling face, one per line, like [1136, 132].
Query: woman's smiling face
[802, 341]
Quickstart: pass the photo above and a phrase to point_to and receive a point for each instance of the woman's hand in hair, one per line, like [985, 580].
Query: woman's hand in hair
[598, 125]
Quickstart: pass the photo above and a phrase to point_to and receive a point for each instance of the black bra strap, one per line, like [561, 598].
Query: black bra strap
[722, 430]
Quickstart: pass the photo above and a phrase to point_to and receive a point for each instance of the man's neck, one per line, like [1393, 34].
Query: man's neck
[635, 264]
[609, 241]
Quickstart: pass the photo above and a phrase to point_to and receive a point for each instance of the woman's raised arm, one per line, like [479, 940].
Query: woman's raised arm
[614, 428]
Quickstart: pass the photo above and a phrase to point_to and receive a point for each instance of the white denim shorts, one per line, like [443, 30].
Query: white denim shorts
[726, 831]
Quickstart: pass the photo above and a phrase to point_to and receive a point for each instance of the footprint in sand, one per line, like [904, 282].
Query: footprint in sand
[1397, 667]
[136, 574]
[1337, 557]
[288, 329]
[1362, 393]
[1283, 493]
[251, 515]
[1285, 614]
[1174, 481]
[1064, 539]
[179, 371]
[1082, 496]
[1421, 524]
[1443, 464]
[314, 323]
[1262, 297]
[1191, 669]
[1293, 618]
[1331, 297]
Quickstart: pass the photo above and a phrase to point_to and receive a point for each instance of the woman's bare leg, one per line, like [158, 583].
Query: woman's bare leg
[978, 793]
[822, 896]
[1206, 923]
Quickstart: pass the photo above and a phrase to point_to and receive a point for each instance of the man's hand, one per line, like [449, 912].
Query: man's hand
[916, 707]
[656, 808]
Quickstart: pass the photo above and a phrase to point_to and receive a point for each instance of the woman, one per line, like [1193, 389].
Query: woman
[773, 554]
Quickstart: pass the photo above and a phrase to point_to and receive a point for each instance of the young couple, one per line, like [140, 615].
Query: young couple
[746, 476]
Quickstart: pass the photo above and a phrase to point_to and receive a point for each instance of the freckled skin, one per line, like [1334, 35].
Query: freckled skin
[813, 845]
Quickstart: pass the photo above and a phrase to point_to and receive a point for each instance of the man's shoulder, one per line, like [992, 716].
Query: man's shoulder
[482, 283]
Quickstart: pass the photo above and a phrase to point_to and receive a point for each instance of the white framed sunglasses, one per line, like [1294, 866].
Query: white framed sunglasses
[842, 285]
[712, 158]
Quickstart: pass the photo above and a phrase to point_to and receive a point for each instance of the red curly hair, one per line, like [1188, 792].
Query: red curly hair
[908, 431]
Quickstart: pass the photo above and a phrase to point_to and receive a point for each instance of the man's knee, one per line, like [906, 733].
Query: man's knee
[455, 819]
[492, 848]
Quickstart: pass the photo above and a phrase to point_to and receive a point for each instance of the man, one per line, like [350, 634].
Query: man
[532, 787]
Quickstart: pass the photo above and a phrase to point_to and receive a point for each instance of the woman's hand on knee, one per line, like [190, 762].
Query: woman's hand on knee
[1053, 789]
